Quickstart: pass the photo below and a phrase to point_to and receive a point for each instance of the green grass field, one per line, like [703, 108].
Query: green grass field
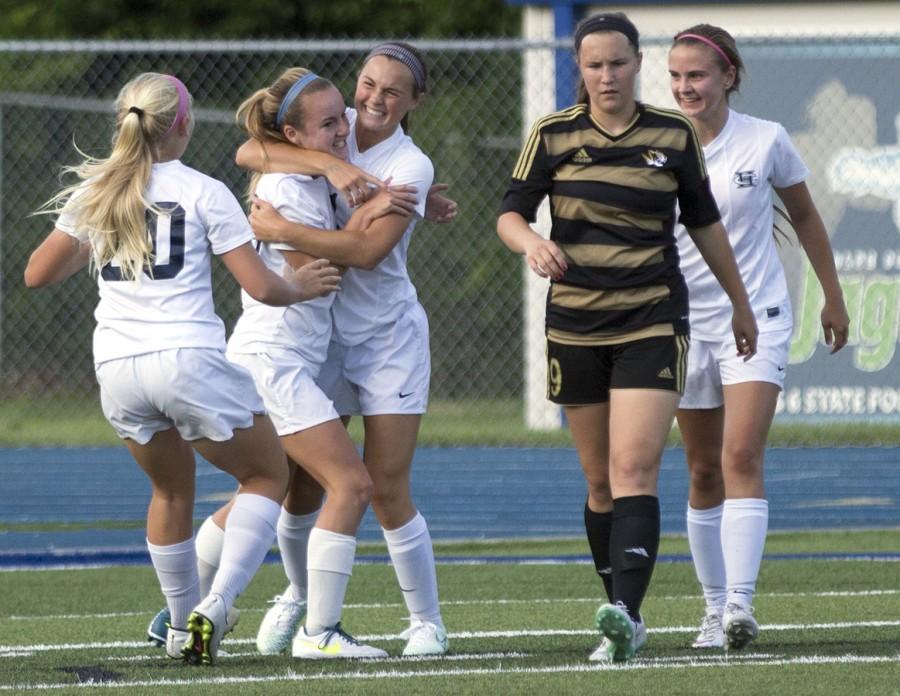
[828, 627]
[66, 422]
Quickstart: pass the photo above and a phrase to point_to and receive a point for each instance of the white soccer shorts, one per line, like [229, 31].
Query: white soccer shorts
[389, 373]
[712, 364]
[196, 390]
[287, 384]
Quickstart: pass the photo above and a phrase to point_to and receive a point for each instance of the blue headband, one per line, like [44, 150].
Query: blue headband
[291, 95]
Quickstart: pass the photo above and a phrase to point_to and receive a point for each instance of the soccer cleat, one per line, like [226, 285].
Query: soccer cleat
[332, 643]
[279, 625]
[175, 641]
[740, 626]
[623, 637]
[424, 638]
[159, 625]
[711, 635]
[206, 626]
[605, 652]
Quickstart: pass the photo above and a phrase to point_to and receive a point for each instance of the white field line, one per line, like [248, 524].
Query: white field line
[873, 557]
[465, 657]
[18, 650]
[636, 664]
[478, 602]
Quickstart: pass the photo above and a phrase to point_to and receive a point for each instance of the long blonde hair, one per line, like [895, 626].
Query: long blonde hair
[110, 202]
[258, 113]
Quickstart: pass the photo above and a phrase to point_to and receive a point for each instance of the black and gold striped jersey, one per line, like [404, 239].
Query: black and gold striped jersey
[612, 205]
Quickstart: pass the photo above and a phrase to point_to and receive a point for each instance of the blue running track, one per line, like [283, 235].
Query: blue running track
[465, 493]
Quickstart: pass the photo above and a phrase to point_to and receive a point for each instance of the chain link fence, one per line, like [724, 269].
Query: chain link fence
[56, 95]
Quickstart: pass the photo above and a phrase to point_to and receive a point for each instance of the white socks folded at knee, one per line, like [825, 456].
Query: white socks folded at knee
[176, 568]
[330, 560]
[727, 545]
[704, 529]
[412, 555]
[293, 542]
[249, 533]
[745, 522]
[210, 539]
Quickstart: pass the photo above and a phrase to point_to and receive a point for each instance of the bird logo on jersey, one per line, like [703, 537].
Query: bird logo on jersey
[746, 179]
[655, 158]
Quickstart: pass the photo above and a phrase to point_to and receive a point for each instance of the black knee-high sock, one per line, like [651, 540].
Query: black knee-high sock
[598, 526]
[634, 542]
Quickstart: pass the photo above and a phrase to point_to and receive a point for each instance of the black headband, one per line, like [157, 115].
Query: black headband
[606, 22]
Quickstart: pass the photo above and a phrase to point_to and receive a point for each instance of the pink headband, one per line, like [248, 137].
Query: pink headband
[183, 100]
[709, 42]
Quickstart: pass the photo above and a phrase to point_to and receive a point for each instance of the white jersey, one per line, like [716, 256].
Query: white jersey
[372, 298]
[305, 326]
[174, 308]
[745, 161]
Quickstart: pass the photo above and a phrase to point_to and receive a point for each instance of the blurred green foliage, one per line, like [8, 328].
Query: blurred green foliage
[206, 19]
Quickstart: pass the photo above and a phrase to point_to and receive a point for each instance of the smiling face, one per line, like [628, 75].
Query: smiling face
[385, 93]
[325, 125]
[699, 83]
[609, 66]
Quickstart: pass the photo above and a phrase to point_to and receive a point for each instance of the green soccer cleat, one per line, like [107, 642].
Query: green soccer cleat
[622, 637]
[207, 624]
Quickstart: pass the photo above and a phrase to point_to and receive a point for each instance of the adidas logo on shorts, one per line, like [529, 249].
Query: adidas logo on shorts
[665, 373]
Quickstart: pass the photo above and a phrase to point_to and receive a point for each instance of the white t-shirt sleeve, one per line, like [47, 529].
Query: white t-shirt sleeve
[414, 169]
[226, 223]
[66, 220]
[788, 167]
[306, 202]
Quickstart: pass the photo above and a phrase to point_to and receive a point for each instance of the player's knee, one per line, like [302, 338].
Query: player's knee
[706, 477]
[744, 462]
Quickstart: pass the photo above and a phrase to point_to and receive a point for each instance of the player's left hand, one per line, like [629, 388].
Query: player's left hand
[267, 223]
[746, 333]
[439, 208]
[836, 323]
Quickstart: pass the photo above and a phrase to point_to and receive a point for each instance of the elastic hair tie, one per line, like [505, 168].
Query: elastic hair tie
[405, 56]
[183, 100]
[291, 95]
[136, 110]
[709, 42]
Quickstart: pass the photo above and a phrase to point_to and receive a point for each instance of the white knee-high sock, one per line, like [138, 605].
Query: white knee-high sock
[209, 540]
[330, 564]
[413, 558]
[745, 522]
[249, 533]
[704, 529]
[293, 542]
[176, 568]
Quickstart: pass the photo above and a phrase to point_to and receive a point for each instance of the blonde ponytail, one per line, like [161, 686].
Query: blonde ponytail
[109, 202]
[258, 114]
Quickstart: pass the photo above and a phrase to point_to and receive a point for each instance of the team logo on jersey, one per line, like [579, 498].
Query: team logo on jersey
[655, 158]
[746, 179]
[581, 157]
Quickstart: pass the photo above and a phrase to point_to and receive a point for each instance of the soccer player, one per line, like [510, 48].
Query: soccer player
[284, 349]
[149, 225]
[617, 329]
[728, 404]
[379, 364]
